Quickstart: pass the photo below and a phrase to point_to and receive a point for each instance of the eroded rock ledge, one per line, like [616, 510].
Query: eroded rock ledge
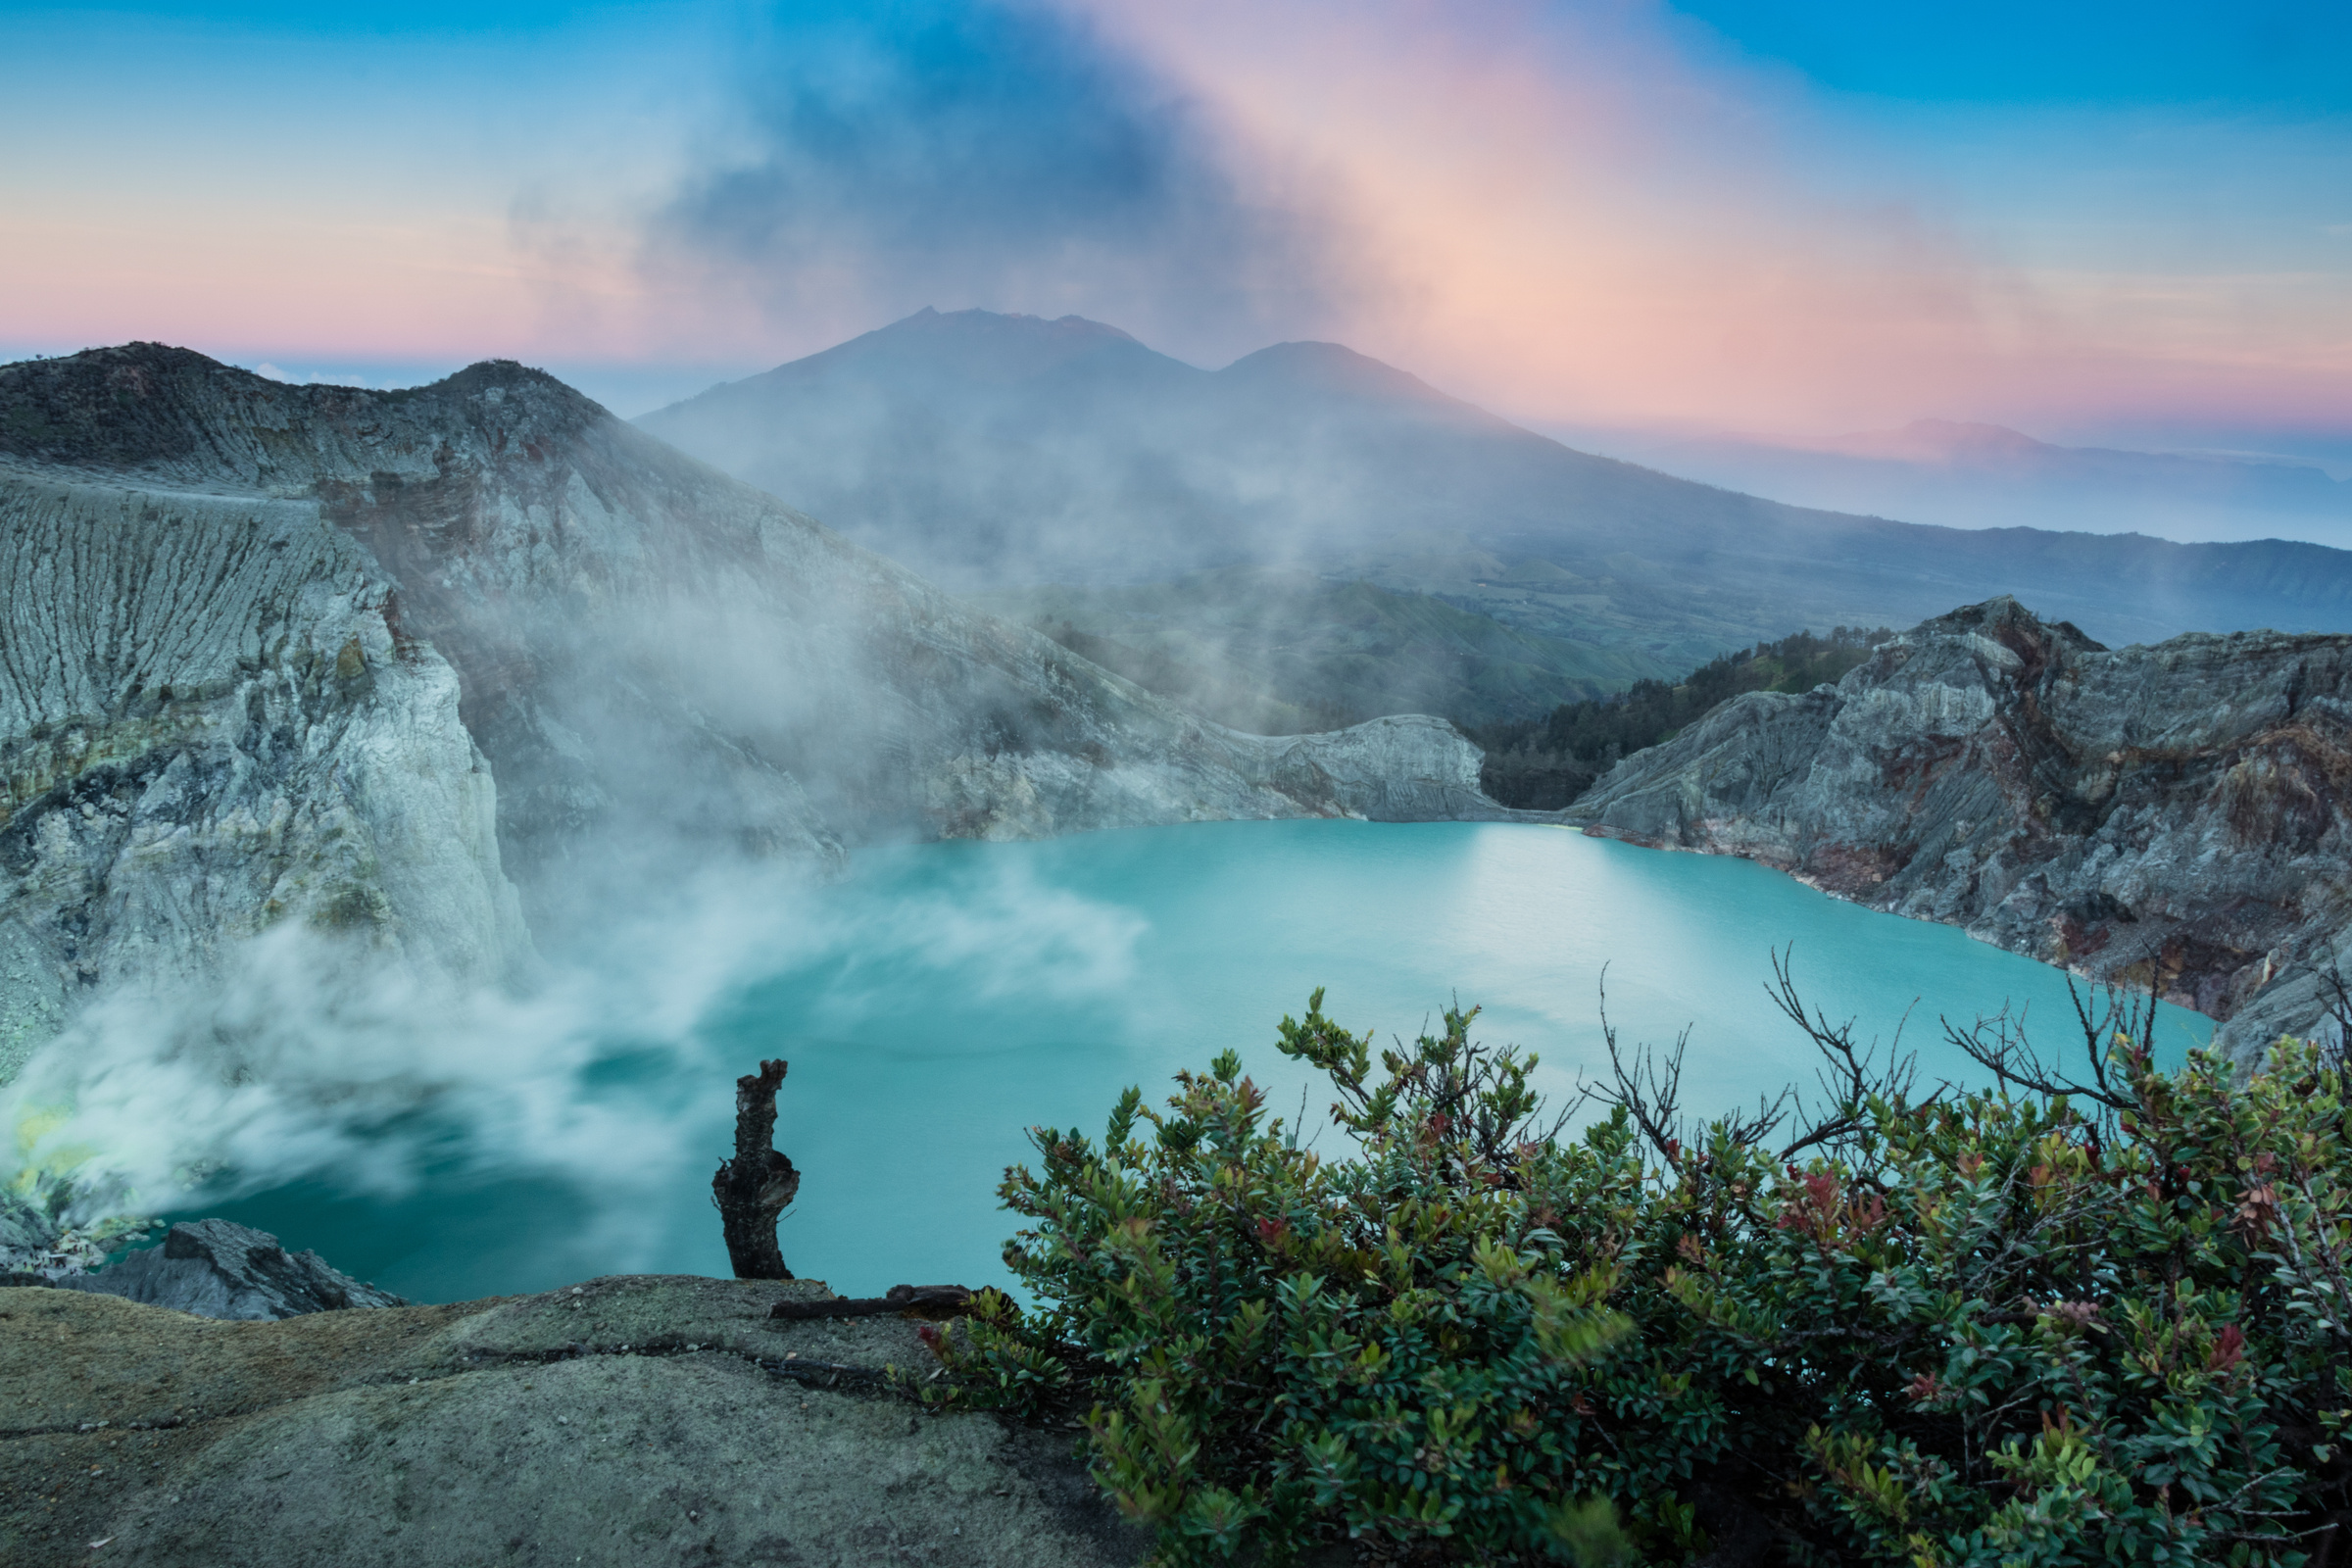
[631, 1421]
[2171, 816]
[218, 1268]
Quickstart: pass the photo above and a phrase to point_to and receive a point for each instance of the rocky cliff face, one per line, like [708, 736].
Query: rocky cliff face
[2171, 816]
[209, 725]
[269, 646]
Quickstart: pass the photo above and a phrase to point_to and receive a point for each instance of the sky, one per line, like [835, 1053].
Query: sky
[2099, 222]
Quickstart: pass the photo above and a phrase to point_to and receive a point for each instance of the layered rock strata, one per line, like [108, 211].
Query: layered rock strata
[374, 660]
[210, 722]
[2169, 817]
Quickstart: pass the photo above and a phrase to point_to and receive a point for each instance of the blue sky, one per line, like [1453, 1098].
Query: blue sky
[2094, 222]
[2259, 56]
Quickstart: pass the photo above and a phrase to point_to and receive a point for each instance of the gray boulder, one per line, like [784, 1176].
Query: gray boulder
[214, 1268]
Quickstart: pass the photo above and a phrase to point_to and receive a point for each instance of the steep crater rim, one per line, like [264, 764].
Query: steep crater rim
[140, 405]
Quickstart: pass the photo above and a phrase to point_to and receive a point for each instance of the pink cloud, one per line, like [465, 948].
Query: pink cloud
[1574, 213]
[1594, 215]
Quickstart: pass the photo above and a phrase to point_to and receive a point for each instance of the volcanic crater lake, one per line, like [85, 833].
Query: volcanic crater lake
[941, 998]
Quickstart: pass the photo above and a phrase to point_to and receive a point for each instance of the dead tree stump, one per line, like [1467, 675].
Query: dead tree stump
[752, 1189]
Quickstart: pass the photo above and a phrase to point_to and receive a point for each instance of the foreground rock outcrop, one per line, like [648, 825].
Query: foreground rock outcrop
[2171, 816]
[401, 665]
[218, 1268]
[634, 1422]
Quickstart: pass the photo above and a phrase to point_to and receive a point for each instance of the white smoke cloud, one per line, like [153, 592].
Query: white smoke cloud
[312, 1063]
[999, 154]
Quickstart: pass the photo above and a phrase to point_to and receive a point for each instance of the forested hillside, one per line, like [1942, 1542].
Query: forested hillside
[1543, 763]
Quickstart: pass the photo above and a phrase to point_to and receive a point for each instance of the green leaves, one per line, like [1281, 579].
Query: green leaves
[1589, 1533]
[1994, 1331]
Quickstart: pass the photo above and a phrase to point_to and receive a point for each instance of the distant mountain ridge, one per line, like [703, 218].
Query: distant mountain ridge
[1952, 471]
[1003, 452]
[1958, 444]
[986, 449]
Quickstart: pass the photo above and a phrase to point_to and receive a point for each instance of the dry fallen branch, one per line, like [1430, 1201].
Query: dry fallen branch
[898, 1298]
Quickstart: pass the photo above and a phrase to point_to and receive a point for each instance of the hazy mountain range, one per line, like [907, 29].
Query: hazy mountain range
[997, 452]
[1971, 476]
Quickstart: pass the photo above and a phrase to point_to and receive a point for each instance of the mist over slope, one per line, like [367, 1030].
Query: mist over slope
[280, 656]
[1006, 450]
[1278, 650]
[210, 718]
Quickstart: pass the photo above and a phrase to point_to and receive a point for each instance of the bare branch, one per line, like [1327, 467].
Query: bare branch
[2112, 1021]
[1647, 1084]
[1850, 1076]
[2337, 996]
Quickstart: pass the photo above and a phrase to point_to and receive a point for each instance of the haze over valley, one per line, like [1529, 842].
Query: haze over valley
[999, 452]
[1973, 475]
[1265, 541]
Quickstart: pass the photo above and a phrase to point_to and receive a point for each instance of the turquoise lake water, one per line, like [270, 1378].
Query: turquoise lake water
[943, 998]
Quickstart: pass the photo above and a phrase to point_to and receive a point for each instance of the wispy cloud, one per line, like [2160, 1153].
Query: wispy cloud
[1004, 156]
[1604, 212]
[271, 372]
[1587, 211]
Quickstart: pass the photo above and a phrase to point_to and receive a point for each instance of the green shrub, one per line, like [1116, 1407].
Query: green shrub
[2017, 1326]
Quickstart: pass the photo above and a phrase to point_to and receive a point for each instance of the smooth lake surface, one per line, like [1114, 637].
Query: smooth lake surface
[943, 998]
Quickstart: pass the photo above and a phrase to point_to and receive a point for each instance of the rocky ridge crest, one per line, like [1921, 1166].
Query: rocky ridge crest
[2171, 816]
[219, 1269]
